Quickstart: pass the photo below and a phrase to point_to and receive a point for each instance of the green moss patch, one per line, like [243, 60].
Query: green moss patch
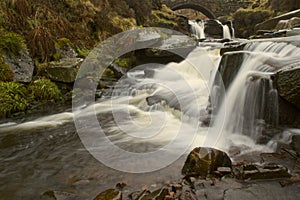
[14, 98]
[11, 43]
[44, 90]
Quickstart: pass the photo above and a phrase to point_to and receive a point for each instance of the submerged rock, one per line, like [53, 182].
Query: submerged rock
[204, 161]
[58, 195]
[110, 194]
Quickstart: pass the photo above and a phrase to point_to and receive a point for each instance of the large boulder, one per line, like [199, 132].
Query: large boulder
[65, 70]
[203, 161]
[288, 85]
[213, 29]
[21, 65]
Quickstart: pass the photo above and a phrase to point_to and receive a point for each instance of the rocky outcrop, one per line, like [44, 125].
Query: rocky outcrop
[204, 161]
[288, 24]
[288, 85]
[65, 70]
[21, 65]
[213, 29]
[272, 23]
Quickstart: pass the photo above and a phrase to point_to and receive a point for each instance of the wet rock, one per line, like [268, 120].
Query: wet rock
[213, 29]
[224, 170]
[293, 32]
[187, 194]
[288, 84]
[121, 185]
[21, 65]
[295, 144]
[271, 23]
[58, 195]
[138, 195]
[288, 24]
[158, 195]
[65, 70]
[255, 172]
[204, 161]
[110, 194]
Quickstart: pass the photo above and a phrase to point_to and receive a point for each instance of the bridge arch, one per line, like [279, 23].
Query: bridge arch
[197, 7]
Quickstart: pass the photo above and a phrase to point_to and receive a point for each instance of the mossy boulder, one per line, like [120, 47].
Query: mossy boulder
[65, 70]
[22, 66]
[245, 20]
[204, 161]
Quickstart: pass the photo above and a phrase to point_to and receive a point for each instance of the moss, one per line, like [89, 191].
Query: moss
[63, 43]
[123, 23]
[163, 18]
[126, 62]
[6, 74]
[11, 43]
[14, 98]
[83, 53]
[245, 20]
[44, 89]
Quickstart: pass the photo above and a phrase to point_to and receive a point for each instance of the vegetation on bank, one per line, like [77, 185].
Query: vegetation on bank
[47, 30]
[18, 97]
[245, 20]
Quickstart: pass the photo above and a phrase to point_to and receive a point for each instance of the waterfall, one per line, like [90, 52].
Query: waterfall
[197, 29]
[226, 32]
[251, 101]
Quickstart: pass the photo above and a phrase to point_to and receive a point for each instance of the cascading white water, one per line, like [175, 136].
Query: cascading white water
[197, 29]
[251, 100]
[226, 32]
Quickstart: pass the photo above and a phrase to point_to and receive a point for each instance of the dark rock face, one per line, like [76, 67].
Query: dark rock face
[213, 29]
[22, 66]
[288, 85]
[295, 144]
[204, 161]
[65, 70]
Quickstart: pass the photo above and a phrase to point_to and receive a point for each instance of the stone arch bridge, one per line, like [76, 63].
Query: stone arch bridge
[211, 8]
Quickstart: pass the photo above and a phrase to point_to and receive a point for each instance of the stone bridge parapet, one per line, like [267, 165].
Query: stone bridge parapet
[211, 8]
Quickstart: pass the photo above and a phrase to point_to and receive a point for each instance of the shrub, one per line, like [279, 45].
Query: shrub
[44, 89]
[14, 98]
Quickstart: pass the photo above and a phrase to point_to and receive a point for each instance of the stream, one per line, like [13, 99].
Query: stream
[152, 109]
